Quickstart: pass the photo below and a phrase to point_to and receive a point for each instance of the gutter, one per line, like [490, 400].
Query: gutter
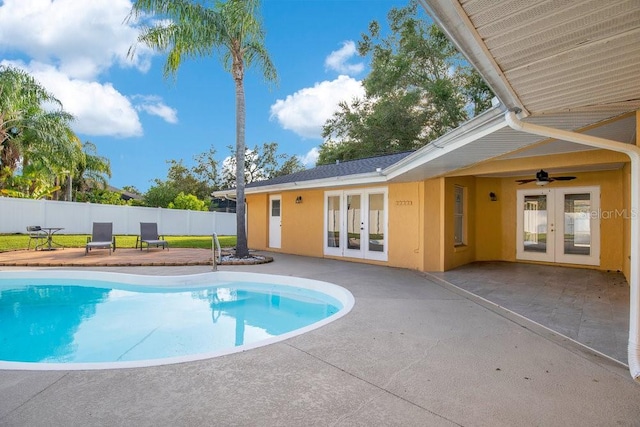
[633, 152]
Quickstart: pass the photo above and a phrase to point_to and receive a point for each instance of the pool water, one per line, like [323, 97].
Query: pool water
[79, 321]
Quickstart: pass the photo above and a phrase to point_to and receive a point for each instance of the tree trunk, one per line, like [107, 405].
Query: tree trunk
[242, 249]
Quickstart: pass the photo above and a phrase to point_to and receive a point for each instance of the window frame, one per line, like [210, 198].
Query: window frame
[459, 216]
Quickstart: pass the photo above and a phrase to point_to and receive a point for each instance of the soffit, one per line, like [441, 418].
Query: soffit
[434, 160]
[620, 130]
[547, 56]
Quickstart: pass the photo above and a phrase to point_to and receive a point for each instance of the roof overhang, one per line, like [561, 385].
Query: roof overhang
[338, 181]
[546, 57]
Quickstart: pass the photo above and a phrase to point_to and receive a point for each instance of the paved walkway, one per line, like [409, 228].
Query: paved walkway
[411, 353]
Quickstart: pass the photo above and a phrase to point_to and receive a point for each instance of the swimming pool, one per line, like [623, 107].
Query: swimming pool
[55, 319]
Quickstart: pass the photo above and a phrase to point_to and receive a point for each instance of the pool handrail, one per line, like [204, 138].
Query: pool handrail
[215, 243]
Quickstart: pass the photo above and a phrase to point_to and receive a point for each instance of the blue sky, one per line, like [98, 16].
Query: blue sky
[139, 120]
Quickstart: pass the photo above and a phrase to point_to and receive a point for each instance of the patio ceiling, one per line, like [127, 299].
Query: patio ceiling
[488, 137]
[549, 56]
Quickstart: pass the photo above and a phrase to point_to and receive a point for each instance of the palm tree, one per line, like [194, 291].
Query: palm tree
[32, 138]
[231, 29]
[90, 171]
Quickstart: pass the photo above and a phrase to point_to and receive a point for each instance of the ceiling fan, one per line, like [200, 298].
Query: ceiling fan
[543, 178]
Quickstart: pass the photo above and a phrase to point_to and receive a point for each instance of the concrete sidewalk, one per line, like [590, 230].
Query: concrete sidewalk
[411, 352]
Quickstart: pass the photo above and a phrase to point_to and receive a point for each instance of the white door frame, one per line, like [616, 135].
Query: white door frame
[362, 220]
[275, 223]
[555, 226]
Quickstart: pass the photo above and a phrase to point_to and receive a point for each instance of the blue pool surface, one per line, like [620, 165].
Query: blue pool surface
[115, 320]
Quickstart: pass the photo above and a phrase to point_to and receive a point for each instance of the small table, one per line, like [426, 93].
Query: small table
[50, 232]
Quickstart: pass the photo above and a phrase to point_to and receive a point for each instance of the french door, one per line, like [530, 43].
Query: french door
[559, 225]
[355, 223]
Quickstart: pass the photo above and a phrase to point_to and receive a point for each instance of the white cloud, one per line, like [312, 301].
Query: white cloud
[83, 38]
[306, 111]
[311, 158]
[153, 105]
[338, 60]
[99, 109]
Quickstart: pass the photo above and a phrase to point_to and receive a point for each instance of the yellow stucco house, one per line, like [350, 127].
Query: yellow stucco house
[566, 78]
[447, 205]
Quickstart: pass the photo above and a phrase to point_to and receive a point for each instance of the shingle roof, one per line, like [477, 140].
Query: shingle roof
[352, 167]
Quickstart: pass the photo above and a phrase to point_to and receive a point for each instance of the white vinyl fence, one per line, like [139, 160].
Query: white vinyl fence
[78, 218]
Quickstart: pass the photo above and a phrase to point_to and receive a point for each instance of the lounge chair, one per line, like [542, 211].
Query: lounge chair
[101, 237]
[36, 233]
[149, 235]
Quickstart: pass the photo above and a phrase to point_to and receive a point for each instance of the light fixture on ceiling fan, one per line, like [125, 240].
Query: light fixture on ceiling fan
[543, 178]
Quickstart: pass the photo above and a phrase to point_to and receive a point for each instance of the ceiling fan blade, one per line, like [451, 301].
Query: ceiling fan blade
[563, 178]
[524, 181]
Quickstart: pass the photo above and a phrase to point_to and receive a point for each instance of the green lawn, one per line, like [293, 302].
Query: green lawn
[11, 242]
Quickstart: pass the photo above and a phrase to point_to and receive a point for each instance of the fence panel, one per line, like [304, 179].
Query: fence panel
[77, 218]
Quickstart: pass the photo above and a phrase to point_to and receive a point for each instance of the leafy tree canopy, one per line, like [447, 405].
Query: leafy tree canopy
[37, 146]
[260, 163]
[418, 89]
[101, 196]
[188, 202]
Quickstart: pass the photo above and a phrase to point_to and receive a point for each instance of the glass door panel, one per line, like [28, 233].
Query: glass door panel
[354, 222]
[578, 235]
[577, 224]
[333, 221]
[535, 225]
[535, 231]
[376, 222]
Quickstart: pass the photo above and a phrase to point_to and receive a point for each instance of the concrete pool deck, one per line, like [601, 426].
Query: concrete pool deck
[411, 352]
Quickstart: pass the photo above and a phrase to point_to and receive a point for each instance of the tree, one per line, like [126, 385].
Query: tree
[261, 163]
[234, 31]
[34, 138]
[160, 194]
[102, 197]
[418, 89]
[188, 202]
[91, 171]
[184, 180]
[206, 171]
[200, 180]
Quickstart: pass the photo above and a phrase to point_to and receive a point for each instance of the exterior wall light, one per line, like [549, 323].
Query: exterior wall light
[299, 199]
[493, 197]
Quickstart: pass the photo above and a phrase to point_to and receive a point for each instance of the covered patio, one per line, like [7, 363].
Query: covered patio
[590, 307]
